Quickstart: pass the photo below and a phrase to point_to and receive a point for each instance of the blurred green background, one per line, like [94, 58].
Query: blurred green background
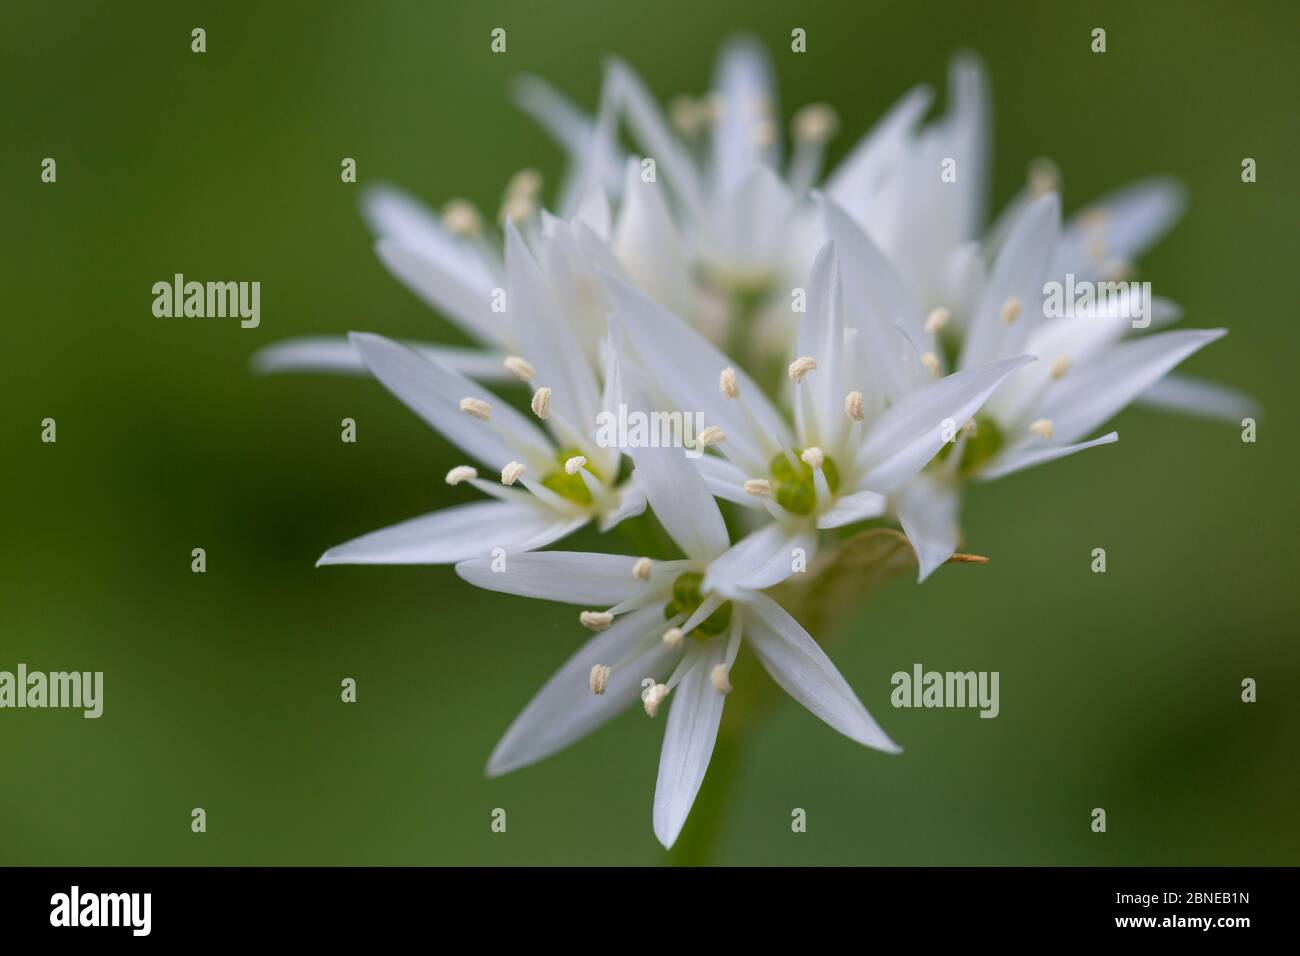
[222, 689]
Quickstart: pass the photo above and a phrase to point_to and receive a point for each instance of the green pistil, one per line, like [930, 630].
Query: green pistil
[979, 448]
[570, 486]
[793, 487]
[687, 600]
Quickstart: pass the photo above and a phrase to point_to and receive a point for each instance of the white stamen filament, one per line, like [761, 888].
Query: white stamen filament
[520, 368]
[801, 367]
[477, 408]
[461, 473]
[512, 472]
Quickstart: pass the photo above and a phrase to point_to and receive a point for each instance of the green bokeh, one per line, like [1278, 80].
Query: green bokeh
[1118, 691]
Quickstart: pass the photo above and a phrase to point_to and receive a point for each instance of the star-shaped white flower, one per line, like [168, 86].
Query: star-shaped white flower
[662, 632]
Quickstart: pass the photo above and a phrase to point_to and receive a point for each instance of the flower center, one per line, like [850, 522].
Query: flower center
[570, 486]
[793, 487]
[687, 600]
[979, 447]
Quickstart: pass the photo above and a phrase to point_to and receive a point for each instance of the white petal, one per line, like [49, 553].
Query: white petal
[1090, 395]
[457, 533]
[743, 81]
[910, 433]
[761, 559]
[927, 509]
[467, 300]
[393, 214]
[687, 366]
[726, 481]
[1012, 461]
[692, 730]
[681, 501]
[1131, 220]
[631, 503]
[565, 709]
[874, 156]
[337, 356]
[570, 577]
[647, 244]
[434, 392]
[803, 670]
[1194, 396]
[821, 335]
[545, 339]
[858, 506]
[1018, 272]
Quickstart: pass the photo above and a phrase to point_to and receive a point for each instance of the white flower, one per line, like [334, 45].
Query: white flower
[1084, 376]
[544, 492]
[665, 629]
[849, 446]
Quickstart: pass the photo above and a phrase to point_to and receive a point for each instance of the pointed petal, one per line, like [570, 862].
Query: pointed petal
[1012, 461]
[875, 155]
[761, 559]
[565, 709]
[726, 481]
[910, 433]
[570, 577]
[434, 392]
[743, 80]
[858, 506]
[1125, 223]
[1090, 395]
[336, 355]
[647, 244]
[457, 533]
[803, 670]
[821, 335]
[1194, 396]
[689, 737]
[681, 501]
[927, 510]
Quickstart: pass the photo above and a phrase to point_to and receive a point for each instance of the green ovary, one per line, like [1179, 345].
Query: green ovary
[570, 486]
[793, 487]
[979, 448]
[687, 600]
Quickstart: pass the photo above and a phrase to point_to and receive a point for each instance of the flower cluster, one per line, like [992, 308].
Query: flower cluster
[859, 343]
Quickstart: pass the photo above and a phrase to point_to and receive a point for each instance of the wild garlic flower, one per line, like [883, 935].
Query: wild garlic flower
[546, 480]
[843, 452]
[663, 631]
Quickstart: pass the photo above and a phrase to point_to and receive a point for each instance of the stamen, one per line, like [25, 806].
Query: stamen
[517, 208]
[969, 429]
[711, 436]
[526, 182]
[574, 465]
[596, 620]
[815, 123]
[931, 362]
[814, 457]
[641, 570]
[520, 368]
[801, 367]
[937, 319]
[512, 472]
[460, 218]
[853, 406]
[720, 676]
[599, 678]
[477, 408]
[1093, 219]
[765, 132]
[1042, 427]
[688, 115]
[542, 403]
[674, 636]
[461, 473]
[758, 487]
[1011, 310]
[653, 697]
[1044, 177]
[1060, 366]
[727, 382]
